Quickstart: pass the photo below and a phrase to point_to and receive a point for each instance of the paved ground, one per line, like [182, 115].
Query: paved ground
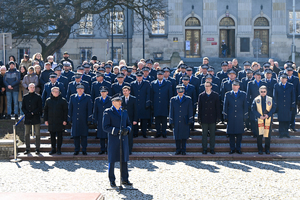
[159, 179]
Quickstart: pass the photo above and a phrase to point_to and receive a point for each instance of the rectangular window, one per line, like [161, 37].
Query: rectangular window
[86, 25]
[21, 52]
[85, 54]
[297, 31]
[117, 18]
[158, 24]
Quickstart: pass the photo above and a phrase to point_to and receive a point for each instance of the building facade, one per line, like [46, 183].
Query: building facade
[193, 29]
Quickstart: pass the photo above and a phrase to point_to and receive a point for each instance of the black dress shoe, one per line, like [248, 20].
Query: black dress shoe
[37, 152]
[254, 136]
[157, 136]
[52, 152]
[26, 152]
[84, 153]
[232, 152]
[239, 151]
[204, 152]
[58, 152]
[135, 136]
[96, 137]
[212, 152]
[267, 151]
[126, 183]
[71, 137]
[183, 153]
[16, 116]
[76, 153]
[177, 153]
[8, 117]
[260, 152]
[101, 152]
[288, 136]
[164, 136]
[145, 136]
[130, 153]
[113, 184]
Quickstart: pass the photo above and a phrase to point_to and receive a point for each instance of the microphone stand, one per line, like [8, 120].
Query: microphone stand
[120, 188]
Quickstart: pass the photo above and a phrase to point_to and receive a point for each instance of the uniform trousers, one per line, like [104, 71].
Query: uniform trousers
[103, 144]
[212, 130]
[284, 128]
[143, 126]
[267, 142]
[292, 123]
[83, 140]
[111, 172]
[254, 127]
[130, 140]
[161, 125]
[53, 140]
[181, 146]
[235, 144]
[37, 136]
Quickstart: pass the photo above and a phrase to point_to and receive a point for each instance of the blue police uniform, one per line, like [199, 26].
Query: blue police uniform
[225, 87]
[64, 80]
[117, 88]
[142, 93]
[47, 90]
[284, 97]
[252, 93]
[80, 114]
[173, 82]
[149, 78]
[110, 75]
[69, 75]
[235, 110]
[242, 74]
[270, 85]
[86, 78]
[153, 73]
[160, 98]
[72, 88]
[95, 90]
[178, 76]
[222, 75]
[180, 117]
[111, 125]
[100, 105]
[244, 83]
[215, 80]
[295, 81]
[106, 78]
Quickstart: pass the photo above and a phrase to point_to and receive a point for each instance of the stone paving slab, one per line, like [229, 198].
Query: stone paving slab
[52, 196]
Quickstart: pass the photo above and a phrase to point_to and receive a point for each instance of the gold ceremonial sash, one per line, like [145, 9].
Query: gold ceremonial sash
[263, 125]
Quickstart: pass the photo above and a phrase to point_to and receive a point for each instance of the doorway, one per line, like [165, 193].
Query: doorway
[228, 36]
[192, 43]
[263, 35]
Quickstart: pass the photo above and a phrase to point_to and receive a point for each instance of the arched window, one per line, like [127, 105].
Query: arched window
[192, 21]
[227, 21]
[261, 21]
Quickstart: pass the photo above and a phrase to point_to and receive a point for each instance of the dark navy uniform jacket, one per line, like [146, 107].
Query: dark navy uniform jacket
[295, 81]
[215, 80]
[153, 73]
[106, 78]
[214, 88]
[142, 94]
[86, 78]
[222, 75]
[178, 76]
[284, 98]
[173, 82]
[111, 125]
[193, 81]
[284, 71]
[149, 78]
[181, 115]
[72, 88]
[99, 107]
[226, 86]
[235, 110]
[209, 107]
[69, 75]
[80, 113]
[64, 80]
[44, 78]
[244, 83]
[127, 79]
[190, 91]
[160, 97]
[111, 76]
[116, 88]
[270, 86]
[131, 107]
[241, 74]
[95, 90]
[47, 90]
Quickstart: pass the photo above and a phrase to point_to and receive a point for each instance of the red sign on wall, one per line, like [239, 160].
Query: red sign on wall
[214, 43]
[210, 39]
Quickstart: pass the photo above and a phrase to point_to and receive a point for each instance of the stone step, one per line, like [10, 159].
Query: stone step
[171, 148]
[169, 139]
[274, 156]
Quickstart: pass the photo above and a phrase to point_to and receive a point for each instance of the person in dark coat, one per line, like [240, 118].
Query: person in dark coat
[108, 73]
[62, 79]
[80, 116]
[147, 77]
[295, 81]
[235, 111]
[252, 93]
[243, 73]
[245, 80]
[167, 71]
[149, 63]
[56, 117]
[215, 87]
[223, 73]
[67, 59]
[270, 82]
[181, 73]
[44, 78]
[141, 90]
[263, 108]
[67, 71]
[127, 79]
[99, 83]
[129, 103]
[161, 93]
[215, 79]
[208, 115]
[284, 97]
[193, 80]
[180, 119]
[117, 87]
[53, 83]
[72, 86]
[101, 103]
[32, 108]
[85, 77]
[116, 124]
[226, 86]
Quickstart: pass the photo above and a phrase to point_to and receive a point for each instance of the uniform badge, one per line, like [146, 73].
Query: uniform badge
[269, 103]
[258, 101]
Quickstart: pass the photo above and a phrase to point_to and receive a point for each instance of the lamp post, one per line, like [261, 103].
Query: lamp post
[294, 30]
